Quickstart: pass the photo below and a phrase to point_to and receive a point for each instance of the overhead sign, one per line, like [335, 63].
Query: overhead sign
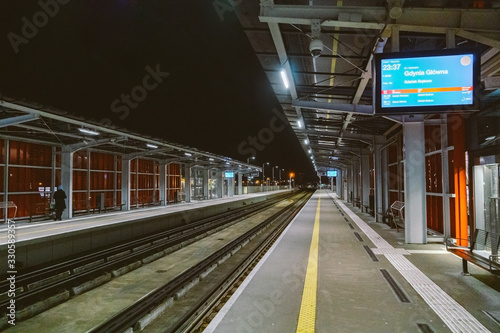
[429, 82]
[229, 174]
[331, 173]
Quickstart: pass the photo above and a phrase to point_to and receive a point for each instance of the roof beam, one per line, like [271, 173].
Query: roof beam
[479, 25]
[335, 108]
[308, 56]
[17, 120]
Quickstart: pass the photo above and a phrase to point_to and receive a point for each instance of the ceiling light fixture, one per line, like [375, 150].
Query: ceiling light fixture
[285, 80]
[150, 145]
[87, 131]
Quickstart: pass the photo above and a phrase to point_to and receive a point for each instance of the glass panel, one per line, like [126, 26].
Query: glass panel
[22, 179]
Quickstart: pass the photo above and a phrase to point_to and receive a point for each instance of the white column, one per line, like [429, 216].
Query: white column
[385, 180]
[163, 183]
[240, 188]
[205, 184]
[220, 183]
[339, 183]
[414, 180]
[445, 176]
[365, 180]
[187, 179]
[126, 182]
[67, 180]
[377, 163]
[230, 187]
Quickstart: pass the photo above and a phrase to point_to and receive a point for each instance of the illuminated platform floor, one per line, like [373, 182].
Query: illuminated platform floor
[29, 231]
[338, 271]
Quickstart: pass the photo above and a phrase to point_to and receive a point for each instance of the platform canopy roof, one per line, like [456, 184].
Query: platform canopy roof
[30, 122]
[329, 99]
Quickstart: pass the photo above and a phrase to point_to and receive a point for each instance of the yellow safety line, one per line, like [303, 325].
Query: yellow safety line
[307, 316]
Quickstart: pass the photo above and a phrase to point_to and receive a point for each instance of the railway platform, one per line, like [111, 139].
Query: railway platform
[42, 242]
[335, 270]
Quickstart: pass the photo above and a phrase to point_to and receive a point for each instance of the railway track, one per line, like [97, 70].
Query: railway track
[79, 274]
[263, 235]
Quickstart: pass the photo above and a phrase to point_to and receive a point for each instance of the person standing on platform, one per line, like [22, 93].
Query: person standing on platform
[60, 203]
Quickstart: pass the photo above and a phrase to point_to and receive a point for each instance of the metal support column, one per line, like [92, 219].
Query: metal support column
[220, 183]
[205, 184]
[240, 188]
[67, 180]
[126, 182]
[187, 184]
[230, 187]
[163, 183]
[385, 180]
[339, 183]
[445, 176]
[414, 180]
[377, 163]
[365, 180]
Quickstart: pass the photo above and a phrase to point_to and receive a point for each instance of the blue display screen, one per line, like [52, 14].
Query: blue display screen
[331, 173]
[427, 81]
[229, 174]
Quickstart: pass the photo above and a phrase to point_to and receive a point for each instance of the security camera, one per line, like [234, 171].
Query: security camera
[316, 47]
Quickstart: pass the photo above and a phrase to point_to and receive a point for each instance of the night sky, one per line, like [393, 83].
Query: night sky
[170, 69]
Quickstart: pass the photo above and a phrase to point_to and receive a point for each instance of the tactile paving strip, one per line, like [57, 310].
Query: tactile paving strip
[453, 314]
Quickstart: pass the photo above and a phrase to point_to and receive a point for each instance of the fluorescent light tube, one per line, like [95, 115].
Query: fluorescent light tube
[285, 80]
[87, 131]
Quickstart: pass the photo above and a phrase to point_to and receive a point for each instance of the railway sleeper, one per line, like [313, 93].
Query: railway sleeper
[124, 270]
[147, 319]
[51, 279]
[86, 286]
[153, 257]
[88, 266]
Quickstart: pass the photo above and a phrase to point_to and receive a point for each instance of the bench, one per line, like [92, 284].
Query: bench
[481, 240]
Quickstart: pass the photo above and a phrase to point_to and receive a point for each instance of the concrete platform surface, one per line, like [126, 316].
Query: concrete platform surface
[349, 289]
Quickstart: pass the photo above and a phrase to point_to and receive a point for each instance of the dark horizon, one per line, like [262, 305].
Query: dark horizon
[168, 69]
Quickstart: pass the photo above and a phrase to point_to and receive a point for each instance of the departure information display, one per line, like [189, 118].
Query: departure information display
[331, 173]
[427, 81]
